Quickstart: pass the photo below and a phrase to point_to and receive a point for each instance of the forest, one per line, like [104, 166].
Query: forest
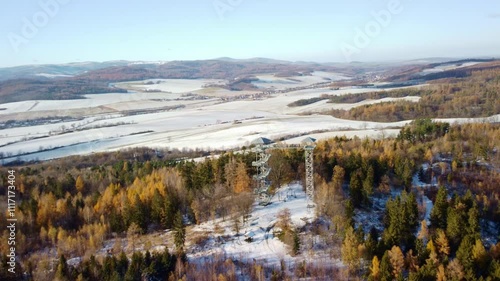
[70, 208]
[45, 89]
[469, 97]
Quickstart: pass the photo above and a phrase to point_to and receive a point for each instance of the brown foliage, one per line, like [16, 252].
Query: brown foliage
[475, 96]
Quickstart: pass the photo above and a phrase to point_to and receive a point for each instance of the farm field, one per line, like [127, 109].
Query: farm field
[179, 117]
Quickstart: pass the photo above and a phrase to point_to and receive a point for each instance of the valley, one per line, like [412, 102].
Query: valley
[157, 177]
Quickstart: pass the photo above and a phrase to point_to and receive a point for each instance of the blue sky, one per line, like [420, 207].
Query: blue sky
[322, 30]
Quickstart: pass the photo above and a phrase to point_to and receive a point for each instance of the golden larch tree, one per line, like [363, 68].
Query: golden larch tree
[79, 184]
[243, 180]
[397, 261]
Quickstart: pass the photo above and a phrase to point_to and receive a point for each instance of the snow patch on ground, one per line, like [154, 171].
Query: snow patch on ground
[270, 81]
[172, 85]
[446, 67]
[265, 247]
[424, 200]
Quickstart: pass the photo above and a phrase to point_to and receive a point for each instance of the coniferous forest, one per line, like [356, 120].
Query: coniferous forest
[73, 207]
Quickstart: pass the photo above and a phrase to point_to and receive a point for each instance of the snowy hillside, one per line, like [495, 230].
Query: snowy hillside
[256, 241]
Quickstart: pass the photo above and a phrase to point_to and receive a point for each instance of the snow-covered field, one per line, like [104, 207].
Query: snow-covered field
[117, 101]
[281, 83]
[171, 85]
[446, 67]
[368, 133]
[186, 129]
[172, 119]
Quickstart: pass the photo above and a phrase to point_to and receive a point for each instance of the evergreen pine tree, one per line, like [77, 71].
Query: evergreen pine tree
[385, 268]
[296, 244]
[136, 213]
[393, 222]
[349, 212]
[401, 220]
[169, 210]
[355, 189]
[473, 221]
[421, 251]
[456, 224]
[179, 232]
[135, 268]
[494, 270]
[440, 210]
[62, 272]
[464, 253]
[368, 183]
[122, 265]
[157, 204]
[371, 243]
[108, 267]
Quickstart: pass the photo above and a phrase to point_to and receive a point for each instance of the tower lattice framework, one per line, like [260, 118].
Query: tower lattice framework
[309, 166]
[263, 170]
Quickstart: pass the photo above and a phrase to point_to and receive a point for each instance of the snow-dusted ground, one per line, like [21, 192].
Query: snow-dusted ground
[446, 67]
[259, 226]
[424, 200]
[281, 83]
[188, 129]
[206, 123]
[489, 230]
[48, 75]
[118, 101]
[171, 85]
[368, 133]
[373, 217]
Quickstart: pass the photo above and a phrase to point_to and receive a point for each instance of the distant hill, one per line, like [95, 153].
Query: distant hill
[54, 70]
[256, 60]
[70, 81]
[215, 69]
[415, 72]
[50, 89]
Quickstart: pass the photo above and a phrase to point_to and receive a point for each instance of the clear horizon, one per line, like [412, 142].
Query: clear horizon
[64, 31]
[243, 59]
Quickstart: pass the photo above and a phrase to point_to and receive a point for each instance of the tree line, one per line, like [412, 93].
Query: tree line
[472, 97]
